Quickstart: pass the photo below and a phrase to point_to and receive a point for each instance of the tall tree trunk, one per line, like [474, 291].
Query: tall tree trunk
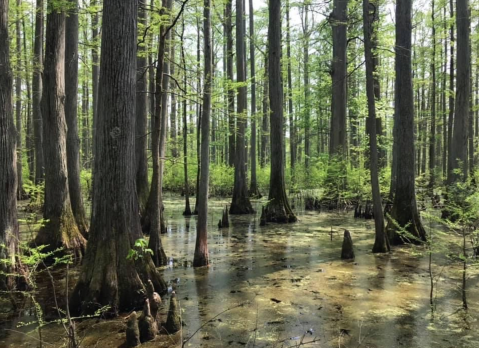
[240, 203]
[174, 149]
[292, 129]
[37, 92]
[95, 69]
[61, 229]
[307, 106]
[451, 98]
[154, 213]
[187, 211]
[231, 90]
[142, 186]
[277, 208]
[71, 116]
[201, 257]
[463, 93]
[9, 233]
[381, 244]
[432, 135]
[338, 133]
[443, 97]
[264, 123]
[254, 191]
[18, 102]
[108, 276]
[404, 212]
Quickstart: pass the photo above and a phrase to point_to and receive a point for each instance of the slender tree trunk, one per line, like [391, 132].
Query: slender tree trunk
[29, 144]
[240, 203]
[154, 214]
[444, 108]
[277, 208]
[451, 99]
[95, 69]
[231, 90]
[37, 92]
[201, 257]
[174, 145]
[142, 186]
[9, 233]
[71, 116]
[264, 123]
[61, 229]
[432, 135]
[254, 191]
[18, 102]
[292, 129]
[108, 276]
[307, 106]
[187, 211]
[404, 212]
[381, 244]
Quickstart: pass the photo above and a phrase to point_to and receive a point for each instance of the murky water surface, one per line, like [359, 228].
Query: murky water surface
[285, 286]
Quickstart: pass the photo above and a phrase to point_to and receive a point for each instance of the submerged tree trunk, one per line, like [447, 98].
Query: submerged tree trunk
[141, 156]
[240, 203]
[201, 257]
[278, 208]
[61, 229]
[71, 115]
[108, 276]
[37, 92]
[380, 243]
[404, 212]
[9, 234]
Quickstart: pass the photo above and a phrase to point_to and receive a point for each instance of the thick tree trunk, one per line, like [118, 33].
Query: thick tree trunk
[381, 244]
[338, 134]
[37, 92]
[71, 115]
[61, 229]
[404, 212]
[201, 257]
[142, 186]
[231, 90]
[278, 208]
[9, 235]
[108, 277]
[463, 93]
[240, 203]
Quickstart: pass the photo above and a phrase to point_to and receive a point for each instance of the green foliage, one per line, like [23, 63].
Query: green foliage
[140, 249]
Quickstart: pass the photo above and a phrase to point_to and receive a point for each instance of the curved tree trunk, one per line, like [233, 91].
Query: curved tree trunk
[108, 277]
[240, 203]
[61, 229]
[8, 175]
[71, 115]
[404, 212]
[201, 257]
[142, 186]
[37, 92]
[278, 208]
[380, 243]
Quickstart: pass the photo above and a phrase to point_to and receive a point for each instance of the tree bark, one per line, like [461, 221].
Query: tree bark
[432, 135]
[18, 102]
[9, 233]
[264, 123]
[307, 106]
[231, 91]
[37, 92]
[61, 229]
[71, 115]
[108, 277]
[292, 127]
[201, 257]
[278, 208]
[187, 211]
[404, 213]
[381, 244]
[240, 203]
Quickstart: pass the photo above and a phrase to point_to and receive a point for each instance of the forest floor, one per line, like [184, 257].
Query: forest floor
[285, 286]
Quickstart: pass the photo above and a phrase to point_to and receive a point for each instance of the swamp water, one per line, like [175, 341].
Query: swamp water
[283, 286]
